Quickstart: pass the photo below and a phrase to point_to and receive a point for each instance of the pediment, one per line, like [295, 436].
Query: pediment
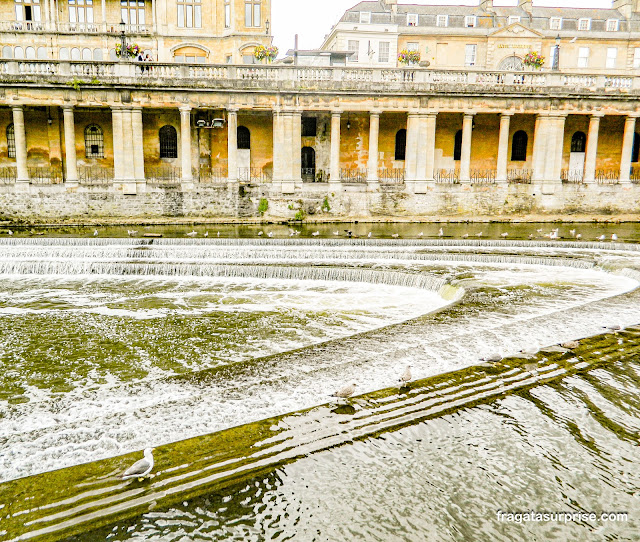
[516, 30]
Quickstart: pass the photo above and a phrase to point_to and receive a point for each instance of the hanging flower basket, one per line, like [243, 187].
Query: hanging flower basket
[408, 57]
[130, 51]
[268, 54]
[533, 60]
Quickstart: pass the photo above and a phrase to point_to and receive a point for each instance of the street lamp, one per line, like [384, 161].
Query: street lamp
[266, 24]
[556, 55]
[123, 38]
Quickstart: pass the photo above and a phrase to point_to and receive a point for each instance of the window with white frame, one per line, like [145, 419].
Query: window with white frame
[252, 13]
[636, 57]
[470, 54]
[412, 46]
[365, 17]
[470, 21]
[584, 24]
[583, 57]
[612, 25]
[612, 57]
[28, 11]
[383, 51]
[412, 19]
[81, 11]
[227, 13]
[442, 20]
[513, 19]
[189, 14]
[131, 11]
[353, 45]
[555, 23]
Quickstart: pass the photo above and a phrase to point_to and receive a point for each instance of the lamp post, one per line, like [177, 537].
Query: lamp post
[123, 39]
[266, 25]
[556, 55]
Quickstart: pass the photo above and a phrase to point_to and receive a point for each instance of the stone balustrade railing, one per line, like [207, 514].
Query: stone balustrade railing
[73, 28]
[287, 76]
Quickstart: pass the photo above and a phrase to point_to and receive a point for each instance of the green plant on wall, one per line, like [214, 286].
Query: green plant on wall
[76, 83]
[299, 215]
[263, 206]
[325, 204]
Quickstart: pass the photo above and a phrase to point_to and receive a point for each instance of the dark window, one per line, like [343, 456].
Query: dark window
[93, 141]
[309, 126]
[457, 145]
[636, 147]
[244, 138]
[519, 146]
[11, 142]
[168, 142]
[401, 144]
[578, 142]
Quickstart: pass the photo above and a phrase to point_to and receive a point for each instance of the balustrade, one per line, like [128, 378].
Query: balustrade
[450, 176]
[353, 175]
[607, 176]
[519, 176]
[572, 175]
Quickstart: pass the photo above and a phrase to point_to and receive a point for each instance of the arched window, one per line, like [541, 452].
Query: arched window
[636, 147]
[93, 141]
[168, 142]
[457, 145]
[519, 146]
[86, 54]
[97, 55]
[76, 54]
[578, 142]
[401, 144]
[63, 54]
[11, 141]
[30, 53]
[7, 52]
[18, 53]
[42, 53]
[244, 138]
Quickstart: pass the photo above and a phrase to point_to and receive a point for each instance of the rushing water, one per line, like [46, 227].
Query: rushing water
[104, 344]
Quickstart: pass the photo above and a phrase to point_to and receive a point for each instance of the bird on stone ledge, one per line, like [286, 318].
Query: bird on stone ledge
[140, 468]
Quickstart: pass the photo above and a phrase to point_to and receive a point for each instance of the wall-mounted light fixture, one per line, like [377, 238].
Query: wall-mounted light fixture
[217, 123]
[267, 24]
[348, 122]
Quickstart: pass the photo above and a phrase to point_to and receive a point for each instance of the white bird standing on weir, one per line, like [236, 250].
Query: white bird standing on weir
[440, 232]
[406, 377]
[205, 234]
[336, 232]
[369, 235]
[270, 234]
[260, 233]
[132, 232]
[578, 236]
[420, 234]
[504, 235]
[95, 233]
[192, 233]
[315, 233]
[345, 392]
[395, 235]
[614, 237]
[140, 468]
[602, 237]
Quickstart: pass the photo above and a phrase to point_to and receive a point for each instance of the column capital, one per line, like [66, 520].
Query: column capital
[336, 113]
[18, 107]
[468, 114]
[596, 114]
[504, 114]
[233, 110]
[67, 107]
[633, 116]
[185, 108]
[374, 113]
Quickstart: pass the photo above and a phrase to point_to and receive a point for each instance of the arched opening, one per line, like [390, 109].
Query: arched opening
[11, 141]
[244, 138]
[578, 142]
[401, 144]
[510, 64]
[190, 55]
[519, 146]
[457, 145]
[308, 161]
[93, 141]
[168, 142]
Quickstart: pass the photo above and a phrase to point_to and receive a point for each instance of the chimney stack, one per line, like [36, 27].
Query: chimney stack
[626, 7]
[527, 5]
[486, 5]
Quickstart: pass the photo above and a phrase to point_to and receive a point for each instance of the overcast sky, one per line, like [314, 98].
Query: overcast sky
[312, 20]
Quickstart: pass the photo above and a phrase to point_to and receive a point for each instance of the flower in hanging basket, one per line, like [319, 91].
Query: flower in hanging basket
[408, 57]
[130, 51]
[533, 59]
[265, 53]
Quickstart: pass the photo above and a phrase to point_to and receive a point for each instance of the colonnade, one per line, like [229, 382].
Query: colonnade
[128, 145]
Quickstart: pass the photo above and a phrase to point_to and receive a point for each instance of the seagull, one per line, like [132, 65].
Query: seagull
[578, 236]
[440, 232]
[9, 232]
[140, 468]
[539, 231]
[479, 234]
[336, 232]
[504, 235]
[192, 233]
[465, 236]
[315, 233]
[218, 234]
[260, 232]
[395, 235]
[205, 234]
[572, 232]
[132, 232]
[369, 234]
[601, 238]
[406, 377]
[345, 392]
[553, 234]
[349, 233]
[614, 237]
[531, 236]
[95, 233]
[420, 234]
[493, 358]
[270, 234]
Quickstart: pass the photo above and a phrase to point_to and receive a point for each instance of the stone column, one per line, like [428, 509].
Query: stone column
[372, 164]
[465, 155]
[104, 15]
[503, 148]
[21, 145]
[592, 148]
[128, 162]
[556, 173]
[296, 145]
[118, 144]
[232, 145]
[138, 145]
[411, 147]
[430, 141]
[539, 147]
[71, 160]
[627, 149]
[277, 145]
[335, 148]
[185, 143]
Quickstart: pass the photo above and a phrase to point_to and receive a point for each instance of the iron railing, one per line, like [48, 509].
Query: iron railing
[634, 175]
[163, 175]
[308, 174]
[253, 175]
[95, 175]
[391, 175]
[8, 175]
[519, 176]
[45, 175]
[482, 176]
[451, 176]
[208, 174]
[607, 176]
[572, 175]
[353, 175]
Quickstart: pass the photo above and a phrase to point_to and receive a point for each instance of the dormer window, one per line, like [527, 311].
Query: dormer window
[584, 24]
[513, 19]
[442, 20]
[555, 23]
[470, 21]
[412, 19]
[612, 25]
[365, 17]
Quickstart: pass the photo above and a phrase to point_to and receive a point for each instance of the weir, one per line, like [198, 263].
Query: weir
[328, 311]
